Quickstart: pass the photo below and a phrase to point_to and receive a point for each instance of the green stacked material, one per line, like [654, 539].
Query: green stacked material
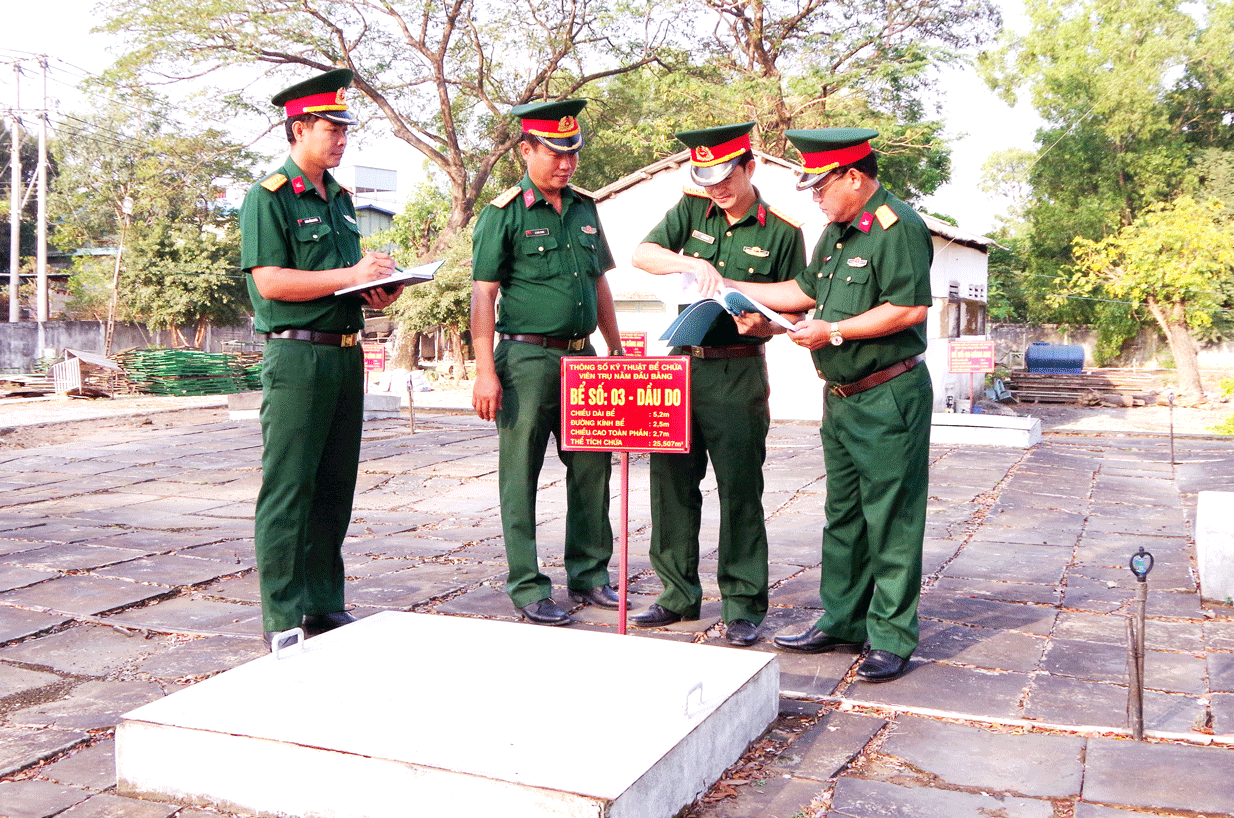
[182, 372]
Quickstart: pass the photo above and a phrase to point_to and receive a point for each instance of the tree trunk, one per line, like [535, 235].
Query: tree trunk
[1173, 320]
[456, 346]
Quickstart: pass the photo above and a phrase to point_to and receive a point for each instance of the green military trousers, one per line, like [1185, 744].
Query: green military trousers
[531, 410]
[312, 413]
[876, 445]
[729, 423]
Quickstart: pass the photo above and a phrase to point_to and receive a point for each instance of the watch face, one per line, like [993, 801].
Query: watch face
[836, 338]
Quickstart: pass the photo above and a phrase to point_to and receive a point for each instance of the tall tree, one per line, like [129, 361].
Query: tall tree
[181, 258]
[1174, 260]
[442, 74]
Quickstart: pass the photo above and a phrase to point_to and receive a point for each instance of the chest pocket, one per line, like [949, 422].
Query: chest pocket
[311, 233]
[538, 251]
[852, 291]
[746, 267]
[698, 248]
[589, 259]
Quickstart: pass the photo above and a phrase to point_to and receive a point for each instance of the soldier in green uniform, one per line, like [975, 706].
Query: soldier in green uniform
[540, 245]
[722, 228]
[868, 286]
[299, 243]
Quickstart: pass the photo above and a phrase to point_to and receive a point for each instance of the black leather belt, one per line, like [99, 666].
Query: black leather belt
[735, 351]
[572, 344]
[315, 337]
[880, 377]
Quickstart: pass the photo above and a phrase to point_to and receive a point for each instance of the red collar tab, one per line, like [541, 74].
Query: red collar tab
[529, 197]
[762, 215]
[298, 184]
[329, 101]
[827, 161]
[867, 219]
[562, 128]
[705, 156]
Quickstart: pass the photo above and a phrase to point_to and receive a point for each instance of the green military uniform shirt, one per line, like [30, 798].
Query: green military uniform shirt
[763, 246]
[546, 262]
[285, 223]
[882, 256]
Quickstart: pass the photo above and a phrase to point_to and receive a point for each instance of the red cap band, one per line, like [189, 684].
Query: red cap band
[826, 161]
[329, 101]
[706, 157]
[562, 128]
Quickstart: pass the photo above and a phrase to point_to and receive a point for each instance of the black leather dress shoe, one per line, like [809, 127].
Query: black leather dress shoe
[741, 632]
[545, 612]
[316, 624]
[603, 597]
[655, 617]
[882, 666]
[813, 641]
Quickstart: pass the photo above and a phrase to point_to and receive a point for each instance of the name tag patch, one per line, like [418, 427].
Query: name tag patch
[310, 220]
[539, 231]
[701, 236]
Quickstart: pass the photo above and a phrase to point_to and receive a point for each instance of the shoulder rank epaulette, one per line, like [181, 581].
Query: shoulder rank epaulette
[273, 183]
[348, 190]
[886, 216]
[694, 191]
[507, 196]
[784, 217]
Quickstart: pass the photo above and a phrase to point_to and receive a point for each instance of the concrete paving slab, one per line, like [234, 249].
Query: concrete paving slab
[425, 755]
[857, 798]
[1160, 776]
[1219, 634]
[77, 557]
[62, 531]
[246, 588]
[982, 647]
[828, 746]
[951, 689]
[415, 585]
[813, 675]
[89, 706]
[985, 613]
[1093, 595]
[23, 747]
[16, 623]
[1085, 810]
[767, 798]
[489, 600]
[16, 680]
[76, 595]
[1061, 538]
[196, 614]
[14, 576]
[106, 805]
[1222, 707]
[1037, 564]
[800, 591]
[1061, 700]
[1171, 672]
[1220, 672]
[169, 570]
[38, 799]
[996, 590]
[92, 767]
[1159, 634]
[1034, 765]
[202, 657]
[240, 553]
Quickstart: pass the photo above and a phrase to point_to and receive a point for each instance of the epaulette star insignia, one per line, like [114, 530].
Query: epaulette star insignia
[506, 196]
[273, 183]
[694, 191]
[784, 217]
[886, 216]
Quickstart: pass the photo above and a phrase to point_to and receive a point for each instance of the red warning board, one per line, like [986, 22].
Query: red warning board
[634, 343]
[626, 404]
[374, 357]
[974, 357]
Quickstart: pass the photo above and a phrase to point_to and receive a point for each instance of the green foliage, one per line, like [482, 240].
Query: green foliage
[180, 260]
[1225, 427]
[446, 300]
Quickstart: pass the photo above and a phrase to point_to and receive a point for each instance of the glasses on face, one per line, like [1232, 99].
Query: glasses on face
[817, 191]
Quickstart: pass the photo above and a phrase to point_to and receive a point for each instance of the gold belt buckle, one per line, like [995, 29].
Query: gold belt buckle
[577, 344]
[349, 340]
[698, 352]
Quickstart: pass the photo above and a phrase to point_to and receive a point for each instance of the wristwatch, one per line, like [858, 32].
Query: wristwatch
[836, 337]
[618, 351]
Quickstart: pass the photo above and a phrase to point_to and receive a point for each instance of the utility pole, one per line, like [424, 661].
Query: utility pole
[15, 198]
[41, 258]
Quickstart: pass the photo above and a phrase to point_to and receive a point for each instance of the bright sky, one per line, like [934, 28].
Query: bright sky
[980, 121]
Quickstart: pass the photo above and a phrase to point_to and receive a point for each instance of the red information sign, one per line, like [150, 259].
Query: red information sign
[626, 404]
[374, 357]
[634, 343]
[973, 357]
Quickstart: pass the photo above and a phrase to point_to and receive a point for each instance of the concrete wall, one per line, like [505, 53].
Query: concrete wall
[1148, 351]
[22, 344]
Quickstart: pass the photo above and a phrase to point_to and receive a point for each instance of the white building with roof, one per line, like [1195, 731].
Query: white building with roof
[630, 207]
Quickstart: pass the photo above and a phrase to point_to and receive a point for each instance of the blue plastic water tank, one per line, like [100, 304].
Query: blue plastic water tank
[1054, 359]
